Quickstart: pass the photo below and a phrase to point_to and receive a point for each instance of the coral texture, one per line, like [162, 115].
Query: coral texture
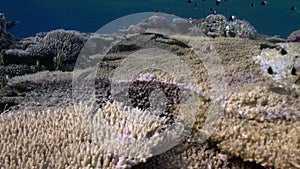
[258, 127]
[53, 50]
[49, 139]
[294, 36]
[217, 25]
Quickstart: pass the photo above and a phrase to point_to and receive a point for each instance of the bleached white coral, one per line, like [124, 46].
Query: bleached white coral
[130, 132]
[277, 64]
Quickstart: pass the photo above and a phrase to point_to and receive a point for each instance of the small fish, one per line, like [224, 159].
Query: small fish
[252, 5]
[263, 3]
[270, 70]
[196, 4]
[2, 16]
[11, 24]
[279, 90]
[283, 51]
[190, 1]
[218, 2]
[232, 18]
[293, 8]
[294, 71]
[296, 67]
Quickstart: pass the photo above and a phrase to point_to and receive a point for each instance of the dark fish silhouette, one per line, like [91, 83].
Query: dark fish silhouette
[252, 5]
[270, 70]
[11, 24]
[293, 8]
[294, 71]
[263, 3]
[218, 2]
[190, 1]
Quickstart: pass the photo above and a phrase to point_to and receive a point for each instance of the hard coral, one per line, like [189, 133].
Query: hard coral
[294, 36]
[57, 49]
[49, 139]
[217, 25]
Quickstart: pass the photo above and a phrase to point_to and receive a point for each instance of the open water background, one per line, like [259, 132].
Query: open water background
[35, 16]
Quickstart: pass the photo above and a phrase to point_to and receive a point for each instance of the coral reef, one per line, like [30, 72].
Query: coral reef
[49, 139]
[240, 28]
[7, 72]
[279, 63]
[42, 89]
[166, 24]
[256, 117]
[55, 50]
[258, 129]
[216, 25]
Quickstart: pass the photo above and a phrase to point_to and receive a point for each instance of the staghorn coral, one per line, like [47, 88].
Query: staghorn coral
[115, 137]
[49, 139]
[130, 132]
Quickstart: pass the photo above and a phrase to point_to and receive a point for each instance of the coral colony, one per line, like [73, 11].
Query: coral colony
[295, 36]
[43, 124]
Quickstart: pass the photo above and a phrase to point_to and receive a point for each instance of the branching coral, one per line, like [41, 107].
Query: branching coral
[56, 49]
[49, 139]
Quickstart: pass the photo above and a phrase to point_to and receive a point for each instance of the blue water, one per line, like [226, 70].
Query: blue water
[35, 16]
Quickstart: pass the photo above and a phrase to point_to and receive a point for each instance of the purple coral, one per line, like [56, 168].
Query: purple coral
[295, 38]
